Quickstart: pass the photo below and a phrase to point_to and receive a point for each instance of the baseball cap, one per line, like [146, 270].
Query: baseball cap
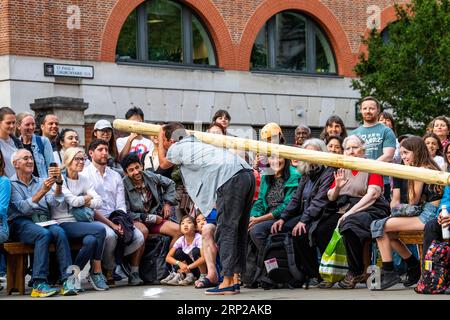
[102, 124]
[269, 130]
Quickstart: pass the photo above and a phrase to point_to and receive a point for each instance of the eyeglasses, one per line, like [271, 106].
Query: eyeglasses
[79, 159]
[105, 131]
[26, 158]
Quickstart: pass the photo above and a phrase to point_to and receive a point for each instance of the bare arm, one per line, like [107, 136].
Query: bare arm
[395, 197]
[373, 193]
[127, 147]
[163, 162]
[388, 154]
[418, 188]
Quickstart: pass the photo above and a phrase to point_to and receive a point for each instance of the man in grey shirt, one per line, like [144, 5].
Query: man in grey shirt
[214, 176]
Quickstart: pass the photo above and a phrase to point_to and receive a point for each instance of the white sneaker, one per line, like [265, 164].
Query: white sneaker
[188, 280]
[168, 278]
[176, 279]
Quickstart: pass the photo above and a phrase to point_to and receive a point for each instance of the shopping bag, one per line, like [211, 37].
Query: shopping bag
[333, 265]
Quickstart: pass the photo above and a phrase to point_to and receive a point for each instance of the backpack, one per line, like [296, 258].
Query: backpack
[276, 266]
[153, 267]
[435, 277]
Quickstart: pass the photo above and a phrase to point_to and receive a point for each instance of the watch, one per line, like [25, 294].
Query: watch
[59, 183]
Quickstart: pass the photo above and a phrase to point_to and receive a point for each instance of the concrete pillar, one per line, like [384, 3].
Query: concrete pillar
[70, 112]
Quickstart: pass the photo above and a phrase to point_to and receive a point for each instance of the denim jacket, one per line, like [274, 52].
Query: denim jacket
[152, 181]
[43, 159]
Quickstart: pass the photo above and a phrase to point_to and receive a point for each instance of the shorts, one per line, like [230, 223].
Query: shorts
[212, 217]
[429, 212]
[156, 228]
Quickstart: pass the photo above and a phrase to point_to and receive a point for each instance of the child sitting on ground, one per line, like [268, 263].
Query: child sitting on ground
[186, 255]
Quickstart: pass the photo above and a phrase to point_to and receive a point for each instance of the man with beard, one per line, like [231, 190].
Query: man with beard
[310, 215]
[378, 138]
[50, 129]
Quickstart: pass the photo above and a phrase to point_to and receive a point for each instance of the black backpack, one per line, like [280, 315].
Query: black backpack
[276, 266]
[153, 267]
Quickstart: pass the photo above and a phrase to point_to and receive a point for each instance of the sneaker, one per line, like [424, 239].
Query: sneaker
[134, 279]
[176, 279]
[3, 278]
[189, 279]
[313, 282]
[68, 289]
[97, 280]
[412, 275]
[168, 278]
[388, 279]
[42, 290]
[351, 280]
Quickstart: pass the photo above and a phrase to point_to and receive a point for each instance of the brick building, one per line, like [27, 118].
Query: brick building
[285, 61]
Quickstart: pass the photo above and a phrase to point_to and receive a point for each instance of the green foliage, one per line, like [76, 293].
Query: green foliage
[411, 71]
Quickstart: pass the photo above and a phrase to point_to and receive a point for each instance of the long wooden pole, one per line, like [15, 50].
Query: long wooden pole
[329, 159]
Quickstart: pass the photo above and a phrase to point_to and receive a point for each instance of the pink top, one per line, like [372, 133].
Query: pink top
[187, 249]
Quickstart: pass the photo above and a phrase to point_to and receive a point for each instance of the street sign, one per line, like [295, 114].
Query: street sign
[68, 70]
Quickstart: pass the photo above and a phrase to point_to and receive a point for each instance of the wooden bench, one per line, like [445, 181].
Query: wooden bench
[17, 254]
[413, 237]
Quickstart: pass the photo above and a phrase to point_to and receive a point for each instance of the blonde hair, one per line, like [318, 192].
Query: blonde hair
[69, 154]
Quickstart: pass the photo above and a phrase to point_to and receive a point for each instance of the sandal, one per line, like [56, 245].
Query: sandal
[205, 283]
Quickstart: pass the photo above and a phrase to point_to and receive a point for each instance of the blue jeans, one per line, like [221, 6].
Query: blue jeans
[26, 231]
[93, 236]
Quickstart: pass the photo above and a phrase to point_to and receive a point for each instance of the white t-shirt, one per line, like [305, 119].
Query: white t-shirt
[440, 162]
[140, 146]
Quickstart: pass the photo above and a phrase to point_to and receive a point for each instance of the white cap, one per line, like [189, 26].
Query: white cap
[102, 124]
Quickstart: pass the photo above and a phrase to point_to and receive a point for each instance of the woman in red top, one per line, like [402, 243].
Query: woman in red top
[360, 200]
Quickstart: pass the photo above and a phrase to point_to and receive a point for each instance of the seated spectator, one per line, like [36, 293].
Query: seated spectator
[414, 153]
[388, 120]
[447, 156]
[435, 149]
[109, 185]
[270, 133]
[440, 126]
[40, 147]
[5, 195]
[8, 142]
[359, 197]
[31, 199]
[302, 133]
[149, 198]
[79, 193]
[50, 129]
[334, 144]
[67, 138]
[186, 256]
[103, 130]
[334, 127]
[433, 228]
[309, 215]
[134, 142]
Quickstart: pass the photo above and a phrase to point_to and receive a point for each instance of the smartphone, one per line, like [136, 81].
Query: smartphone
[53, 164]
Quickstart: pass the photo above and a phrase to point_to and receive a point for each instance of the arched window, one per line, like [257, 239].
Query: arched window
[164, 31]
[291, 41]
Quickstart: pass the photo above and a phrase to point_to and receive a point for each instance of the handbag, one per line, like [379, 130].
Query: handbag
[82, 214]
[406, 210]
[333, 265]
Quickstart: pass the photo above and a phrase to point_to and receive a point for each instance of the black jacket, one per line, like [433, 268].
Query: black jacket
[125, 220]
[317, 205]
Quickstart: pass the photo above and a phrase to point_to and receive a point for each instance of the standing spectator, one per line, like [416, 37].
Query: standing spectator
[414, 153]
[379, 140]
[447, 156]
[67, 138]
[388, 120]
[40, 147]
[31, 199]
[334, 127]
[103, 130]
[50, 129]
[214, 176]
[8, 142]
[435, 149]
[80, 194]
[334, 144]
[223, 118]
[108, 184]
[302, 133]
[440, 126]
[360, 201]
[134, 142]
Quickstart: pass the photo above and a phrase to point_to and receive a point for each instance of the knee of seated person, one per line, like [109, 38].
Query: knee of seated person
[208, 231]
[89, 240]
[138, 236]
[196, 253]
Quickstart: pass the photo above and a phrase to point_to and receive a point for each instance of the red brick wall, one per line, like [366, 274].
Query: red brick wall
[39, 27]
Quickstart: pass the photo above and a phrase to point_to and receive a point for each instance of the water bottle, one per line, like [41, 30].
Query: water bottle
[445, 230]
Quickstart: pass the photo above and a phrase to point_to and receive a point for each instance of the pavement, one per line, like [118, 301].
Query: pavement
[124, 292]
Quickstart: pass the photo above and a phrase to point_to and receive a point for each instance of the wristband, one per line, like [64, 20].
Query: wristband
[59, 183]
[177, 263]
